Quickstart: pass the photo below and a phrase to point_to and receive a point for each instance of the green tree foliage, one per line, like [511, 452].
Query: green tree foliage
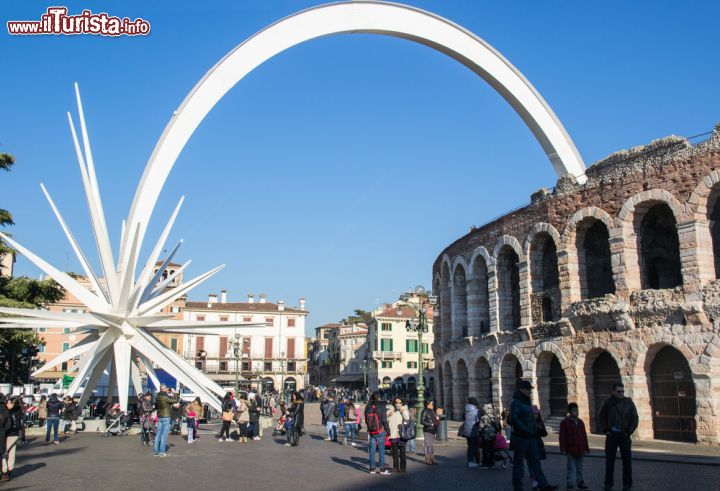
[359, 316]
[18, 347]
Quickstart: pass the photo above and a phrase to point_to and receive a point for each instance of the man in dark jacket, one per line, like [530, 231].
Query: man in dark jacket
[54, 408]
[254, 416]
[331, 414]
[163, 404]
[618, 419]
[524, 438]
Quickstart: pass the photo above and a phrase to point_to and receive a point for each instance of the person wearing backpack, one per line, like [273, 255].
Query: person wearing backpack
[332, 414]
[489, 427]
[377, 428]
[430, 422]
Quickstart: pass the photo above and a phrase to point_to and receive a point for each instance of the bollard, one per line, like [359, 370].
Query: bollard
[442, 434]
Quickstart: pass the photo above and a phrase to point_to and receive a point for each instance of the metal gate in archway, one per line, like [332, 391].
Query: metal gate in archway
[672, 397]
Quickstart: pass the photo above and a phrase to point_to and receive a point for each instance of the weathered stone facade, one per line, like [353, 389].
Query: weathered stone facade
[611, 280]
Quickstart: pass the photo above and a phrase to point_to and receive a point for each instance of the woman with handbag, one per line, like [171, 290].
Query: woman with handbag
[469, 429]
[295, 420]
[397, 415]
[430, 422]
[227, 417]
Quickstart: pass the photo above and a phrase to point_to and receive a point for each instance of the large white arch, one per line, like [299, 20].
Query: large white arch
[350, 17]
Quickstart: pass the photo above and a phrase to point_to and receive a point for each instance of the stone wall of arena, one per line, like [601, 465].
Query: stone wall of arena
[620, 269]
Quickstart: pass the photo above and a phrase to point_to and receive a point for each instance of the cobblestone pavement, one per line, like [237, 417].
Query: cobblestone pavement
[90, 461]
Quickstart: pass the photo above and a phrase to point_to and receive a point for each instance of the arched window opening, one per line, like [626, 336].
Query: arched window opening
[594, 264]
[659, 249]
[508, 274]
[545, 283]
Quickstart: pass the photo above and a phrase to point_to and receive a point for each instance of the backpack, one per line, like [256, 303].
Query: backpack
[372, 419]
[336, 411]
[489, 432]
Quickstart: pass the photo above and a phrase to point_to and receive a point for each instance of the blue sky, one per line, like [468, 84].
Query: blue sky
[339, 169]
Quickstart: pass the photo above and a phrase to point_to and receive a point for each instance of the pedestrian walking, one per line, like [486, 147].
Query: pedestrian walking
[541, 433]
[352, 421]
[525, 438]
[489, 427]
[430, 421]
[11, 422]
[295, 420]
[42, 411]
[397, 415]
[574, 444]
[341, 412]
[332, 415]
[469, 429]
[164, 402]
[377, 428]
[54, 409]
[227, 405]
[618, 419]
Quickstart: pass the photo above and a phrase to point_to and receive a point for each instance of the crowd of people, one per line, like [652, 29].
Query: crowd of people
[514, 437]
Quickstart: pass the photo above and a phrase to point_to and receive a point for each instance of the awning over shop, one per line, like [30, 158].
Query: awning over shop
[348, 378]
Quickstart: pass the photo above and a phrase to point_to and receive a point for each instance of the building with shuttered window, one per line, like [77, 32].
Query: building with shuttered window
[274, 354]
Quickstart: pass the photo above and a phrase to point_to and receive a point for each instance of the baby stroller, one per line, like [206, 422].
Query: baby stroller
[117, 424]
[280, 426]
[502, 454]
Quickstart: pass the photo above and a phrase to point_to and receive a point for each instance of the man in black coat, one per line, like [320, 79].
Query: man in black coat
[618, 419]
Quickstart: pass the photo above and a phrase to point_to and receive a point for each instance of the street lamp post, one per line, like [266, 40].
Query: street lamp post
[420, 326]
[365, 364]
[237, 353]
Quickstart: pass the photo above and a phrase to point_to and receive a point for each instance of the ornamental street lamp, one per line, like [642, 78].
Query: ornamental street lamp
[420, 326]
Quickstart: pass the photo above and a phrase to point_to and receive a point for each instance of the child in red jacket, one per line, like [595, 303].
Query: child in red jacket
[574, 444]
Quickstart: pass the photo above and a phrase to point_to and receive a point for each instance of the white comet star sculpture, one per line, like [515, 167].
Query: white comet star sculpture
[123, 311]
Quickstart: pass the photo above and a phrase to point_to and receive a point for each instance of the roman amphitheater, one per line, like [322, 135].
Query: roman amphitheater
[612, 280]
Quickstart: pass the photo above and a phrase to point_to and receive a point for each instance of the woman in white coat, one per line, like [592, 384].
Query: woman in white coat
[397, 414]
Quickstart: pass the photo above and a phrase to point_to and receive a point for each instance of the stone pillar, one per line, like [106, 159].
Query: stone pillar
[524, 288]
[624, 261]
[473, 306]
[568, 277]
[697, 261]
[493, 299]
[459, 397]
[445, 311]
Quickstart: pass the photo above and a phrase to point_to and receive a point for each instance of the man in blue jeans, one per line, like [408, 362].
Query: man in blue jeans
[377, 427]
[163, 403]
[54, 408]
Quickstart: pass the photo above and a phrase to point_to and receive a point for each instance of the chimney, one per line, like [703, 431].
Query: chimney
[212, 298]
[251, 298]
[263, 297]
[302, 304]
[223, 296]
[281, 305]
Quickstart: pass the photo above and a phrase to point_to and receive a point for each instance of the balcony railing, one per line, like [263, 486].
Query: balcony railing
[387, 355]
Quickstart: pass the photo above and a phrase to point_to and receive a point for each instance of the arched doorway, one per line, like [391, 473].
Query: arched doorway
[480, 323]
[411, 387]
[605, 373]
[447, 383]
[672, 397]
[461, 393]
[268, 384]
[290, 384]
[558, 389]
[483, 373]
[511, 373]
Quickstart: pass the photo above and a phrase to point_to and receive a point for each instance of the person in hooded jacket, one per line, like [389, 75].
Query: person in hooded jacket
[489, 427]
[145, 409]
[469, 430]
[54, 408]
[525, 439]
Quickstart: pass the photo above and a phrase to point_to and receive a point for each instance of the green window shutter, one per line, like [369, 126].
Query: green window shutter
[426, 348]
